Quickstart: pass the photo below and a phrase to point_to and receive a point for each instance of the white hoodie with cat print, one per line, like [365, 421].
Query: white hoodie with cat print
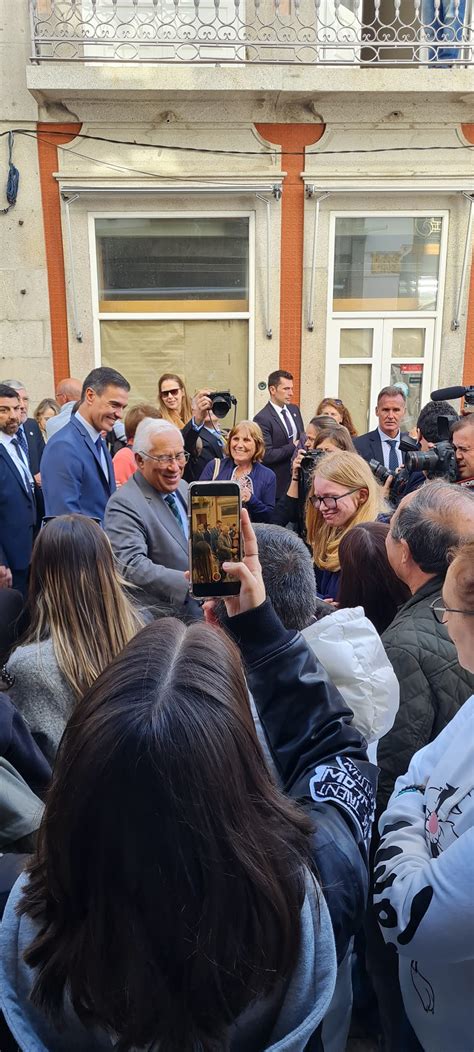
[424, 886]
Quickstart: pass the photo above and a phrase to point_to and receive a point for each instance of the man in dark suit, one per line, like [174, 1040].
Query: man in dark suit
[281, 424]
[17, 505]
[29, 433]
[202, 437]
[383, 444]
[77, 472]
[147, 521]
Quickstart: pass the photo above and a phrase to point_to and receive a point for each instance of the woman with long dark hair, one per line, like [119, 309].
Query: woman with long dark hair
[80, 619]
[172, 903]
[367, 579]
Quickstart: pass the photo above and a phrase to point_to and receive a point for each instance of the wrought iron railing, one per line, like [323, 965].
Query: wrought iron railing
[438, 33]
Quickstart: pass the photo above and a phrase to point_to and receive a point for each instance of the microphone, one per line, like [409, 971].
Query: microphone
[448, 392]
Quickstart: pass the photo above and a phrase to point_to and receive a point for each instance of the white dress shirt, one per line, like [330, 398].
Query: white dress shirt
[385, 440]
[279, 409]
[94, 436]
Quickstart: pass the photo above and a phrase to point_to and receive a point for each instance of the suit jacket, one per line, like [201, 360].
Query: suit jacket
[203, 447]
[370, 446]
[149, 544]
[279, 449]
[262, 502]
[35, 442]
[72, 476]
[17, 521]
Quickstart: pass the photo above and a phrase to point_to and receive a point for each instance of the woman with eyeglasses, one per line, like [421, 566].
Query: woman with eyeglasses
[335, 408]
[173, 400]
[344, 493]
[425, 863]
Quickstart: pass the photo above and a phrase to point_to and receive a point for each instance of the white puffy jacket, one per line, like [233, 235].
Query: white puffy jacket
[350, 648]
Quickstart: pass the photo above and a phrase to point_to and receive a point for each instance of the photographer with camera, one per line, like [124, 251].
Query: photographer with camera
[202, 436]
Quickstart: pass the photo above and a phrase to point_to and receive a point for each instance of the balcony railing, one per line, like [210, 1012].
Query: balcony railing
[436, 33]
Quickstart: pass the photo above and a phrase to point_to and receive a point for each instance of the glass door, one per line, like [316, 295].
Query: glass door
[370, 353]
[407, 347]
[385, 301]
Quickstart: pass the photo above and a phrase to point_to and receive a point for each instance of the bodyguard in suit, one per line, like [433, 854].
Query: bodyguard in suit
[281, 424]
[17, 505]
[29, 433]
[146, 519]
[383, 444]
[76, 471]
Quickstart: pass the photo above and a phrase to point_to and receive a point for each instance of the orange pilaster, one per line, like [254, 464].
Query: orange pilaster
[48, 163]
[292, 138]
[468, 376]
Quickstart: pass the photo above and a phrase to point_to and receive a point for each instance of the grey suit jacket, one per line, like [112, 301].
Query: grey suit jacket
[150, 547]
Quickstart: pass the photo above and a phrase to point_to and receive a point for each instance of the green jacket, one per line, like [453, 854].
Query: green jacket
[433, 686]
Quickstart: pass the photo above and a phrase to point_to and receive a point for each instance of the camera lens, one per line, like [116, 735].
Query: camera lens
[221, 404]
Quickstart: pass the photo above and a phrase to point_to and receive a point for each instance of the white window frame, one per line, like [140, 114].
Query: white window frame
[248, 315]
[375, 319]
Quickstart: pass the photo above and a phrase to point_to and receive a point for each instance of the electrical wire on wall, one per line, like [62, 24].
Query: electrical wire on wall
[13, 178]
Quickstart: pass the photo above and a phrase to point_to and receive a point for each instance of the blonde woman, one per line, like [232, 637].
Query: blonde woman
[43, 412]
[173, 400]
[343, 493]
[80, 620]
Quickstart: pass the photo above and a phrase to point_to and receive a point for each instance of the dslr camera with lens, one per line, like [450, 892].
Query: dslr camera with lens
[408, 446]
[438, 462]
[222, 402]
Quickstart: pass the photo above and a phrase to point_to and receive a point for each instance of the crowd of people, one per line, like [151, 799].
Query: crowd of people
[243, 824]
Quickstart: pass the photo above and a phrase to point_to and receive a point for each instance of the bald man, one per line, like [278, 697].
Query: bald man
[68, 392]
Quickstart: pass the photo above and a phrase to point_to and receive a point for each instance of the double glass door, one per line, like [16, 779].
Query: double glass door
[376, 352]
[385, 303]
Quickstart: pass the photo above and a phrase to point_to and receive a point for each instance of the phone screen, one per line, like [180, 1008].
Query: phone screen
[214, 537]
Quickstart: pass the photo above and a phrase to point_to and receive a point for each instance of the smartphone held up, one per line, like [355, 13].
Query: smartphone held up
[214, 538]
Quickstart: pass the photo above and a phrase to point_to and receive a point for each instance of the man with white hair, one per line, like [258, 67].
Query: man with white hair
[146, 520]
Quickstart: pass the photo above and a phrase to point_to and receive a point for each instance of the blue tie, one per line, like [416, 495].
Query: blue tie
[173, 506]
[21, 439]
[286, 417]
[392, 459]
[29, 485]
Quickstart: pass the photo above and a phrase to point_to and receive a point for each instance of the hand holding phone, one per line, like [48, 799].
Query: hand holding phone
[214, 538]
[249, 572]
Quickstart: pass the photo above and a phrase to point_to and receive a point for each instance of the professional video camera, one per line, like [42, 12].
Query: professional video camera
[222, 402]
[438, 462]
[400, 479]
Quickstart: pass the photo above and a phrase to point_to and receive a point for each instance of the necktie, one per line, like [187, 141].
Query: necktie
[21, 439]
[29, 484]
[392, 459]
[100, 447]
[286, 418]
[172, 503]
